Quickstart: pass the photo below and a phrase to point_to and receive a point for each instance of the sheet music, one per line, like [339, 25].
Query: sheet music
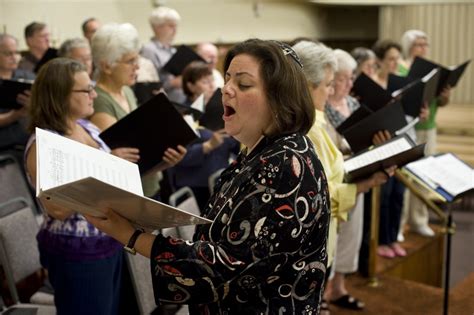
[377, 154]
[61, 160]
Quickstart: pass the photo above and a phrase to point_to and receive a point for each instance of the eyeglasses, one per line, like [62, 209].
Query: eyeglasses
[10, 53]
[90, 90]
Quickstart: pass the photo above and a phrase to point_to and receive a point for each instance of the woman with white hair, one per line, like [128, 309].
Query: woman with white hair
[415, 44]
[366, 61]
[164, 23]
[115, 52]
[320, 63]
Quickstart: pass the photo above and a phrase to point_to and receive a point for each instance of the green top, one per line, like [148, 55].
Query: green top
[104, 103]
[430, 123]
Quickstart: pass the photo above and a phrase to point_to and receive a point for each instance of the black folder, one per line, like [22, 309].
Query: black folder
[214, 110]
[371, 165]
[370, 93]
[449, 75]
[51, 53]
[416, 91]
[390, 117]
[9, 89]
[183, 57]
[145, 90]
[152, 128]
[359, 114]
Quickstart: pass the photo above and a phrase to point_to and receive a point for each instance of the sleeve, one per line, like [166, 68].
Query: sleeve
[254, 242]
[149, 54]
[343, 199]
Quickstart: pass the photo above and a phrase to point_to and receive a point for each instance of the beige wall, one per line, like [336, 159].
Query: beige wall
[212, 20]
[451, 31]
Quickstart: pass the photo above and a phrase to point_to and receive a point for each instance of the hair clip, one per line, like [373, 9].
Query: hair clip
[287, 50]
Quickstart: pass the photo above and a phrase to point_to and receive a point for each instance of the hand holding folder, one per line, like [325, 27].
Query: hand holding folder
[10, 91]
[89, 181]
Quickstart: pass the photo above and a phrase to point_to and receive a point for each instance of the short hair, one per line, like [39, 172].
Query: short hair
[345, 62]
[193, 73]
[381, 47]
[161, 15]
[49, 108]
[4, 36]
[316, 57]
[284, 84]
[362, 54]
[84, 24]
[32, 28]
[112, 41]
[409, 38]
[70, 44]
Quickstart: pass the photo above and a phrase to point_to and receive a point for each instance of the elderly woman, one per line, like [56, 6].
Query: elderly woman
[164, 24]
[84, 265]
[320, 63]
[366, 61]
[115, 52]
[77, 49]
[12, 131]
[266, 249]
[415, 44]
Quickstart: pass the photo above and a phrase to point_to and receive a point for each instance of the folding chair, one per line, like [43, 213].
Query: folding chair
[19, 254]
[139, 268]
[13, 182]
[183, 199]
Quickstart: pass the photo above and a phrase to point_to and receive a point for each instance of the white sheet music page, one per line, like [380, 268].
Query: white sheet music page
[377, 154]
[61, 160]
[452, 174]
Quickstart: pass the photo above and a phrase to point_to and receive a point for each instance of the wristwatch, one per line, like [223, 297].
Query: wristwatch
[130, 247]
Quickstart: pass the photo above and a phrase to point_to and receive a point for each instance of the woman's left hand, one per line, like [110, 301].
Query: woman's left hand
[113, 225]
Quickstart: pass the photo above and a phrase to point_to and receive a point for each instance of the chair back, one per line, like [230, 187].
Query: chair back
[183, 199]
[139, 267]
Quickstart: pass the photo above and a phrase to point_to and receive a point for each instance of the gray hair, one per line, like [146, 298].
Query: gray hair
[70, 44]
[5, 36]
[315, 57]
[409, 38]
[345, 62]
[161, 15]
[112, 41]
[362, 54]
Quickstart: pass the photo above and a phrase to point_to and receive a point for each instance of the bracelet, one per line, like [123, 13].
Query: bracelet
[130, 247]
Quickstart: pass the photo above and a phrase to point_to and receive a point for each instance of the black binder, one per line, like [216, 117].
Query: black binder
[183, 57]
[9, 89]
[416, 91]
[414, 152]
[214, 110]
[449, 75]
[390, 117]
[152, 128]
[359, 114]
[370, 93]
[51, 53]
[145, 90]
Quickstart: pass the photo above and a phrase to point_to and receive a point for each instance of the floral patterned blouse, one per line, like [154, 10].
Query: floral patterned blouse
[265, 252]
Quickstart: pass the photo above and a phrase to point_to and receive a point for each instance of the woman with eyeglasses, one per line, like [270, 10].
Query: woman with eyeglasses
[84, 265]
[115, 50]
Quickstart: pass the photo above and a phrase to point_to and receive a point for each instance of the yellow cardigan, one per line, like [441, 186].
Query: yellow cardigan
[343, 195]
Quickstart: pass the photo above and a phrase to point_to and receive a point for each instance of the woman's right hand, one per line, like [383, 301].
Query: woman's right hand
[377, 179]
[215, 141]
[129, 154]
